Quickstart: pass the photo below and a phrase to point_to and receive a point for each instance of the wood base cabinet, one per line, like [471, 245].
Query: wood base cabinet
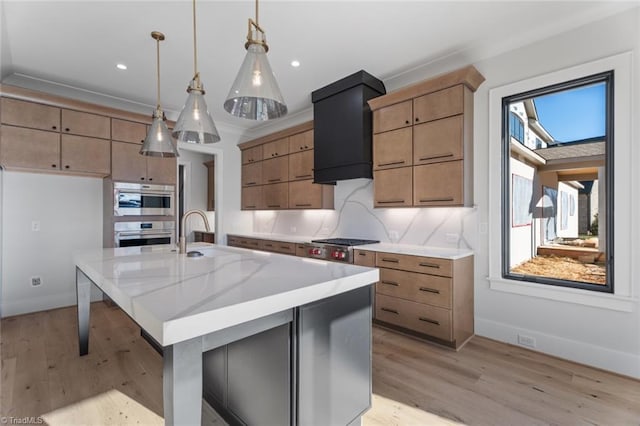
[426, 297]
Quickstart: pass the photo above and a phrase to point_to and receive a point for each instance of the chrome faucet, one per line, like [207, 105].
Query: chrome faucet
[183, 224]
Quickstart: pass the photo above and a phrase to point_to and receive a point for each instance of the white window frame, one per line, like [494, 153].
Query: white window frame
[623, 298]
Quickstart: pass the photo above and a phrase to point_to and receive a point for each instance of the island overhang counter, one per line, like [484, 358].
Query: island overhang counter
[230, 303]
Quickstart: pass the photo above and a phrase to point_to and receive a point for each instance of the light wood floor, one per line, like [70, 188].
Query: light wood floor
[414, 383]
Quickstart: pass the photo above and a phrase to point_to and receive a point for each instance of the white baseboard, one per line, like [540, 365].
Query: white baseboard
[624, 363]
[52, 301]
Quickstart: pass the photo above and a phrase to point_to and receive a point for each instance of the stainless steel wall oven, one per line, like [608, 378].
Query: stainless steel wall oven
[134, 199]
[129, 234]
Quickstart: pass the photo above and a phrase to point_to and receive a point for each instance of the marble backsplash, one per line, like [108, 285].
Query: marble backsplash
[355, 217]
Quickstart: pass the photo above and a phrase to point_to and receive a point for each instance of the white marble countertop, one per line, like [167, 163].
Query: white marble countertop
[175, 298]
[415, 250]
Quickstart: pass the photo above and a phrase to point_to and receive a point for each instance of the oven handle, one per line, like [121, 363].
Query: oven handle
[134, 235]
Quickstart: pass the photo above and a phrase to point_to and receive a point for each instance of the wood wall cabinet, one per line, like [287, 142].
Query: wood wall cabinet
[128, 131]
[393, 187]
[277, 172]
[426, 127]
[211, 185]
[127, 165]
[86, 124]
[30, 114]
[426, 297]
[85, 155]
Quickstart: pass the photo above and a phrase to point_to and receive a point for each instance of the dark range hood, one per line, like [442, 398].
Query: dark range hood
[342, 123]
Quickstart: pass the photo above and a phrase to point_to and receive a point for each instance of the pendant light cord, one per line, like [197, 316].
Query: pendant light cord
[158, 68]
[195, 50]
[257, 22]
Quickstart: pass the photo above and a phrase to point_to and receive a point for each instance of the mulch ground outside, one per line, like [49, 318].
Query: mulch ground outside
[563, 268]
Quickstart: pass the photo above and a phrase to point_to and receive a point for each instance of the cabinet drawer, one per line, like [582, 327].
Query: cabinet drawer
[252, 174]
[251, 155]
[393, 149]
[30, 114]
[233, 241]
[440, 104]
[393, 187]
[275, 149]
[438, 184]
[424, 265]
[393, 117]
[279, 247]
[86, 124]
[301, 250]
[251, 243]
[301, 141]
[437, 141]
[425, 319]
[252, 198]
[422, 288]
[364, 258]
[128, 131]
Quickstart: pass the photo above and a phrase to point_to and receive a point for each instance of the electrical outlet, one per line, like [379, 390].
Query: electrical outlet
[525, 340]
[393, 235]
[452, 238]
[36, 281]
[35, 225]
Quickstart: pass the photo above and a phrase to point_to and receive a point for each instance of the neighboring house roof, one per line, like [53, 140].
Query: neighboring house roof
[578, 149]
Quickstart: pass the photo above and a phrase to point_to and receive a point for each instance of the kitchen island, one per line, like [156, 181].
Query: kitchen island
[234, 321]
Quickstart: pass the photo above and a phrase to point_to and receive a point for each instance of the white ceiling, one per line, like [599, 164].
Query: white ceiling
[78, 43]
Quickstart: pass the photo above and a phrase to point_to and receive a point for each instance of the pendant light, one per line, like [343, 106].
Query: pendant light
[255, 93]
[158, 142]
[195, 124]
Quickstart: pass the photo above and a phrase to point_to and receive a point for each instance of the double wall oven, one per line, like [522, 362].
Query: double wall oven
[143, 214]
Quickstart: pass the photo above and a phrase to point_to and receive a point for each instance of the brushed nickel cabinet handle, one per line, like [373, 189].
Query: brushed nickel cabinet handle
[393, 311]
[390, 201]
[393, 283]
[429, 320]
[384, 259]
[427, 200]
[430, 290]
[433, 157]
[429, 265]
[392, 163]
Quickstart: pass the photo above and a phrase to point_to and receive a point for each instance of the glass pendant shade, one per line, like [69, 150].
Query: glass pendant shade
[255, 93]
[158, 142]
[195, 124]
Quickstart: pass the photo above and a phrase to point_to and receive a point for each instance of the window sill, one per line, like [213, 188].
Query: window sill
[568, 295]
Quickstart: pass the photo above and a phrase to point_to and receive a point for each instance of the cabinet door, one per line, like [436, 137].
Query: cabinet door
[439, 140]
[301, 165]
[275, 170]
[128, 131]
[438, 184]
[252, 198]
[305, 194]
[127, 165]
[392, 149]
[162, 170]
[29, 148]
[440, 104]
[276, 148]
[364, 258]
[86, 124]
[251, 155]
[252, 174]
[393, 117]
[301, 141]
[29, 114]
[276, 196]
[86, 155]
[393, 187]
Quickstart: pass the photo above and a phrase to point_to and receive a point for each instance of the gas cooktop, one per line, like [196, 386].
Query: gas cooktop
[345, 241]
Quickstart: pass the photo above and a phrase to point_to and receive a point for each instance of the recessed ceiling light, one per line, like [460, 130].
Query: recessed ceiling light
[295, 63]
[121, 66]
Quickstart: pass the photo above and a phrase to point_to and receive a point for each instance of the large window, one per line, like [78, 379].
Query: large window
[557, 182]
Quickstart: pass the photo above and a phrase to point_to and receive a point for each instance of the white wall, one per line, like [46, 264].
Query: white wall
[69, 210]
